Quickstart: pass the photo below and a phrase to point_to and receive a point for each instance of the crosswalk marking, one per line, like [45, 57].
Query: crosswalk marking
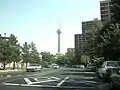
[28, 81]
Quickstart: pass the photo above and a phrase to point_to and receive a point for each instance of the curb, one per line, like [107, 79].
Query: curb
[4, 71]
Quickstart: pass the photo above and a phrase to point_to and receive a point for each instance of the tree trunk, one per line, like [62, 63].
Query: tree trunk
[13, 65]
[4, 65]
[26, 64]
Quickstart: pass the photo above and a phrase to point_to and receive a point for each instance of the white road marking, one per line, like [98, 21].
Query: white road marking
[59, 84]
[55, 78]
[28, 81]
[12, 84]
[44, 77]
[90, 82]
[35, 79]
[43, 81]
[67, 87]
[84, 72]
[83, 77]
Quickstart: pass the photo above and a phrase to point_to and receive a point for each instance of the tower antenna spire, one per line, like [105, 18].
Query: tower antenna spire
[58, 32]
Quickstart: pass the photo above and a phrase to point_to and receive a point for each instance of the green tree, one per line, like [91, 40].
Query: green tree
[4, 50]
[14, 47]
[116, 11]
[109, 41]
[47, 58]
[26, 53]
[70, 57]
[91, 47]
[34, 54]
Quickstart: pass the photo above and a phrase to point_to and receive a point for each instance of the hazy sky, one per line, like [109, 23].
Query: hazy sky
[37, 20]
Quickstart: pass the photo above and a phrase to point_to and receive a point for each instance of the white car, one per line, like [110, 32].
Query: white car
[108, 67]
[55, 66]
[34, 67]
[81, 66]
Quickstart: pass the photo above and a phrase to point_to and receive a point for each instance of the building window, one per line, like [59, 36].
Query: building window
[103, 4]
[104, 12]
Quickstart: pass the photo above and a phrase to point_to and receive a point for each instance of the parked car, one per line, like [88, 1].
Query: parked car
[49, 66]
[1, 68]
[34, 67]
[115, 81]
[55, 66]
[81, 66]
[107, 68]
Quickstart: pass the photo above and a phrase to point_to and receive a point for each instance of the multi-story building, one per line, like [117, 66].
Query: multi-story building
[89, 26]
[79, 42]
[80, 39]
[105, 10]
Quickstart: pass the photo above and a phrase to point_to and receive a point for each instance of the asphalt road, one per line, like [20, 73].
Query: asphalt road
[52, 79]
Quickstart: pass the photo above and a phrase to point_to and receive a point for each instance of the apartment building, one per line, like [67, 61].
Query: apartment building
[105, 10]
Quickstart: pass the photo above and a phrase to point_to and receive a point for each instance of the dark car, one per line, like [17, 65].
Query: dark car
[115, 81]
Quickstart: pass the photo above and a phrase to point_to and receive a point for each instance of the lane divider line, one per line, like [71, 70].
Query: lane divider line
[60, 83]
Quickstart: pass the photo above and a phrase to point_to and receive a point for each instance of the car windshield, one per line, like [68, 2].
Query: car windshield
[113, 64]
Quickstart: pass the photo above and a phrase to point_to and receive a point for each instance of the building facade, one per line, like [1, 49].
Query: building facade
[79, 42]
[89, 26]
[105, 10]
[80, 39]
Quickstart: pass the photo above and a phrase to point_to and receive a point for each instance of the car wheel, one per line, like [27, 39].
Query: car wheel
[111, 85]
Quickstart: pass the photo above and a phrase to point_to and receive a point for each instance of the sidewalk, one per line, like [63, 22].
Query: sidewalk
[15, 70]
[10, 70]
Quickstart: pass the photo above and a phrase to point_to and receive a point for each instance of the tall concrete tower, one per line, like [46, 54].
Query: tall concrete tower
[58, 32]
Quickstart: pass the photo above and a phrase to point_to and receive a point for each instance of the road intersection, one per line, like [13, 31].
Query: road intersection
[63, 78]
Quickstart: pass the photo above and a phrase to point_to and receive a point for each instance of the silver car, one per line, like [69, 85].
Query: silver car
[34, 67]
